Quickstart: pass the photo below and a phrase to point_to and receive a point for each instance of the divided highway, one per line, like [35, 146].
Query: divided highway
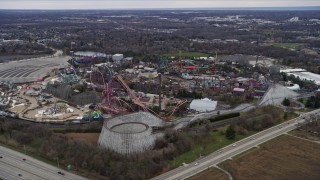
[232, 150]
[13, 167]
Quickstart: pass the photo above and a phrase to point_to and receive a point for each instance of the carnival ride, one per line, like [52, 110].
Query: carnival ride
[163, 62]
[113, 84]
[9, 84]
[84, 61]
[69, 75]
[190, 65]
[94, 115]
[215, 63]
[100, 75]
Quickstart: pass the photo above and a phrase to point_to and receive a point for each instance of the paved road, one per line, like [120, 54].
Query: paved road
[183, 122]
[12, 166]
[230, 151]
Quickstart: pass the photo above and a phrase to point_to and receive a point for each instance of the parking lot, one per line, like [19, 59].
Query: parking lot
[30, 70]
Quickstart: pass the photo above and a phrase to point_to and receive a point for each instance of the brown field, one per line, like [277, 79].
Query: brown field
[90, 138]
[303, 134]
[210, 174]
[283, 158]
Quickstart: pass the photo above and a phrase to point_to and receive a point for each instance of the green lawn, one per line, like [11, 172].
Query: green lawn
[218, 141]
[186, 54]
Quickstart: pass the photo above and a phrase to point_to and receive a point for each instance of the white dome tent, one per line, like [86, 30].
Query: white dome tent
[203, 105]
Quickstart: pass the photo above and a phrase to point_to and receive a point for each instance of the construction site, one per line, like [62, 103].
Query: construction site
[137, 100]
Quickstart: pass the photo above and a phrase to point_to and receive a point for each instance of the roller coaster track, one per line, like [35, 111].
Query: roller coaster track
[136, 100]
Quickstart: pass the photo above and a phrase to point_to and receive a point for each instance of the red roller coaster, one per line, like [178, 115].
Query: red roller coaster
[113, 86]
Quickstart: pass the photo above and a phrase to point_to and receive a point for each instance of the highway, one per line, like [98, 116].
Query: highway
[232, 150]
[13, 167]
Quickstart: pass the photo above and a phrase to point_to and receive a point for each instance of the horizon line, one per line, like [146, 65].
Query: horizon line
[204, 8]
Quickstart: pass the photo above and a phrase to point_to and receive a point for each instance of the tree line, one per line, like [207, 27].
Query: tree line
[91, 160]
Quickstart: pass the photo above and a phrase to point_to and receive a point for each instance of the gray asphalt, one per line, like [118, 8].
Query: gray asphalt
[183, 122]
[12, 167]
[232, 150]
[30, 70]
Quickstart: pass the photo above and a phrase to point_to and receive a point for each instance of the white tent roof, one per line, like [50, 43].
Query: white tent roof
[203, 105]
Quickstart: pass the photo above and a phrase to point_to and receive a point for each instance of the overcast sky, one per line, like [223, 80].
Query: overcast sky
[136, 4]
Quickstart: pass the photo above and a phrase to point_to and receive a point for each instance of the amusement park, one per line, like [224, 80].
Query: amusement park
[131, 98]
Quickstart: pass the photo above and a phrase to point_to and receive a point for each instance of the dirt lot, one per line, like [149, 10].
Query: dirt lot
[90, 138]
[283, 158]
[18, 109]
[211, 174]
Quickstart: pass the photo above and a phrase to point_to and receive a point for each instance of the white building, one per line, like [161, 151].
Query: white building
[117, 57]
[303, 75]
[294, 19]
[203, 105]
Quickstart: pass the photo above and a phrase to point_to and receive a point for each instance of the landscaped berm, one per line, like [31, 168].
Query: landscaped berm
[131, 133]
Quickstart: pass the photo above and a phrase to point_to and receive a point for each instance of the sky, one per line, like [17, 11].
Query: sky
[147, 4]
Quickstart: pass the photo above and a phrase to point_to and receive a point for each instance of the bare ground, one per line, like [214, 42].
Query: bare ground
[303, 134]
[90, 138]
[210, 174]
[283, 158]
[18, 109]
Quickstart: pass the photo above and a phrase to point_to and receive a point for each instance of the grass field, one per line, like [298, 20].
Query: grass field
[90, 138]
[186, 54]
[287, 45]
[210, 174]
[217, 141]
[285, 157]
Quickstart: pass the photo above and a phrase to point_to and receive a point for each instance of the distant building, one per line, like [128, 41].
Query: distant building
[117, 57]
[232, 41]
[128, 59]
[259, 92]
[238, 91]
[303, 75]
[294, 19]
[203, 58]
[90, 54]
